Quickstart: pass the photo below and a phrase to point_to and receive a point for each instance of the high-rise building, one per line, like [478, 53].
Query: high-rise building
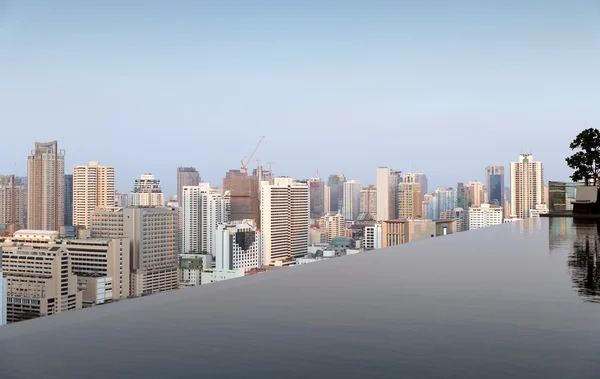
[68, 199]
[351, 199]
[422, 180]
[462, 196]
[333, 224]
[484, 215]
[12, 203]
[46, 187]
[285, 220]
[396, 232]
[152, 234]
[372, 239]
[410, 201]
[430, 206]
[494, 182]
[244, 194]
[387, 186]
[147, 192]
[317, 197]
[186, 176]
[460, 215]
[446, 199]
[201, 211]
[476, 193]
[93, 186]
[39, 281]
[526, 185]
[326, 199]
[122, 199]
[336, 192]
[238, 246]
[3, 286]
[368, 201]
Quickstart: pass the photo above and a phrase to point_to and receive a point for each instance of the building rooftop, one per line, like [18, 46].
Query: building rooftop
[38, 232]
[513, 301]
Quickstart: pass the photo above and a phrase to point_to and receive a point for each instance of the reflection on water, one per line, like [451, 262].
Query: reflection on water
[581, 237]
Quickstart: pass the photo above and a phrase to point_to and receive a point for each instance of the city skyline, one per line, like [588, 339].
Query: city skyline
[351, 73]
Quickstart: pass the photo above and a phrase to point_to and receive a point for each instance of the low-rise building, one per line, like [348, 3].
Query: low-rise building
[396, 232]
[485, 215]
[372, 239]
[191, 267]
[2, 299]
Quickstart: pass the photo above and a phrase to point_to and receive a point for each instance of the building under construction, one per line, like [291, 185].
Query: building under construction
[245, 195]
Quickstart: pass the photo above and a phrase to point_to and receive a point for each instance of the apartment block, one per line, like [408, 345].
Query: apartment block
[333, 224]
[410, 203]
[526, 186]
[39, 281]
[373, 237]
[485, 215]
[396, 232]
[147, 192]
[93, 186]
[285, 220]
[351, 199]
[387, 186]
[152, 234]
[368, 201]
[12, 203]
[46, 187]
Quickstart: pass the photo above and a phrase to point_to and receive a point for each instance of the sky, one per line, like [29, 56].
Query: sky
[439, 87]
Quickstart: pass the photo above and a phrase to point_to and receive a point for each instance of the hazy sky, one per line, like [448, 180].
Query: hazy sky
[440, 87]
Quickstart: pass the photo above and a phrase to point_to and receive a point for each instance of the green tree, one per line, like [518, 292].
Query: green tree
[586, 161]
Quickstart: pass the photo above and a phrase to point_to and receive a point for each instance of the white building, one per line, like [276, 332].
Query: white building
[485, 215]
[3, 287]
[238, 245]
[526, 186]
[373, 235]
[351, 200]
[387, 182]
[213, 276]
[93, 186]
[147, 192]
[191, 267]
[285, 220]
[202, 210]
[538, 210]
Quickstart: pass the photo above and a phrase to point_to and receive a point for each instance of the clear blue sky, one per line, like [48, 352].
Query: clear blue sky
[441, 87]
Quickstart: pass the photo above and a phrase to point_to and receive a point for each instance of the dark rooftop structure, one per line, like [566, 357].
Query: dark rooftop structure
[510, 301]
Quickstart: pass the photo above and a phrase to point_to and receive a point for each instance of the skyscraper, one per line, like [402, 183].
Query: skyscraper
[446, 200]
[387, 186]
[494, 182]
[68, 199]
[12, 203]
[368, 201]
[476, 193]
[526, 185]
[93, 186]
[422, 180]
[326, 200]
[201, 211]
[46, 187]
[462, 197]
[351, 199]
[336, 192]
[317, 197]
[147, 192]
[285, 220]
[410, 204]
[186, 176]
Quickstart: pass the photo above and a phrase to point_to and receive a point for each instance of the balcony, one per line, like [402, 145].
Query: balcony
[517, 300]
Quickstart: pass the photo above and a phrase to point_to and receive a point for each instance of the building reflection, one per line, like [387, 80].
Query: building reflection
[583, 259]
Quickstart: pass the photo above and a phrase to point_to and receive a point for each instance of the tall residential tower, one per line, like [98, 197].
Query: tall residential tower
[526, 185]
[93, 186]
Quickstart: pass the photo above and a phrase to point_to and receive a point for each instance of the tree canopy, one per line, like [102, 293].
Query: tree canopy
[586, 161]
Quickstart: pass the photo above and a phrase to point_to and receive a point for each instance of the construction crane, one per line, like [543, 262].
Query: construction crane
[245, 165]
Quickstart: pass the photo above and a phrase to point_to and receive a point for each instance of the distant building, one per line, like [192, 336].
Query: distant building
[244, 192]
[201, 211]
[422, 180]
[333, 224]
[368, 201]
[93, 186]
[46, 187]
[485, 215]
[68, 199]
[396, 232]
[318, 235]
[494, 182]
[476, 193]
[410, 203]
[351, 200]
[191, 267]
[285, 220]
[12, 204]
[526, 186]
[238, 245]
[39, 281]
[373, 237]
[446, 200]
[336, 192]
[460, 215]
[387, 186]
[463, 198]
[538, 210]
[317, 197]
[186, 176]
[152, 233]
[147, 192]
[122, 200]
